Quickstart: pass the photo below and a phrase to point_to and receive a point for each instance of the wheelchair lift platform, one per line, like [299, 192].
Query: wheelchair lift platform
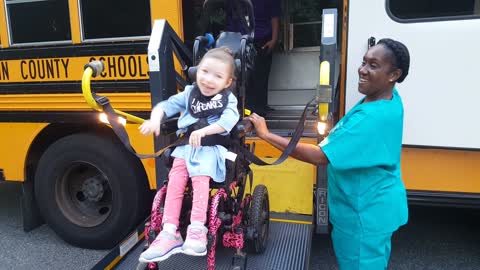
[288, 248]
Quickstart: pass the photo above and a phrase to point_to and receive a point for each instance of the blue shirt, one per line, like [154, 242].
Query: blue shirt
[203, 160]
[365, 190]
[264, 11]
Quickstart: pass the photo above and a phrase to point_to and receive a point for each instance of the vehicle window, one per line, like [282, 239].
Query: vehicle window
[33, 21]
[304, 22]
[423, 9]
[115, 18]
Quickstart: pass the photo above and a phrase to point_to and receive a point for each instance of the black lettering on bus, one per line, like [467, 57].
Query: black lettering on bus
[122, 66]
[49, 65]
[5, 75]
[65, 66]
[57, 67]
[41, 71]
[103, 74]
[132, 66]
[140, 67]
[111, 67]
[31, 69]
[23, 62]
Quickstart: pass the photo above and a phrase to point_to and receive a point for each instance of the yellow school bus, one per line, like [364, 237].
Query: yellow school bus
[75, 173]
[77, 176]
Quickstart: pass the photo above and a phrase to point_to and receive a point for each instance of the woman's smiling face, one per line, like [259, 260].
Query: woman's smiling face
[377, 73]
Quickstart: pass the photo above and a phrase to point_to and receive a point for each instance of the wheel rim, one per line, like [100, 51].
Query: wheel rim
[83, 194]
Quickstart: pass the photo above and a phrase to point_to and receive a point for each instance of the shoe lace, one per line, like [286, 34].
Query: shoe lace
[196, 234]
[164, 236]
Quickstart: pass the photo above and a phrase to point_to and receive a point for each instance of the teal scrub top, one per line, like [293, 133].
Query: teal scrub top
[365, 191]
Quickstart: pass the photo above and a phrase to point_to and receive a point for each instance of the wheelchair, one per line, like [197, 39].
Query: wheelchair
[236, 218]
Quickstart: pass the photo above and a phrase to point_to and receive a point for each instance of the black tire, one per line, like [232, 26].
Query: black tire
[90, 190]
[259, 216]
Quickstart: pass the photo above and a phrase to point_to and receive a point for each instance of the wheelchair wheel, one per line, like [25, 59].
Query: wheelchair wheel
[259, 214]
[145, 266]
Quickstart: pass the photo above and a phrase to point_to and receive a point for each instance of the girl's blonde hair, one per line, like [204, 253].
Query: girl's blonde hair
[223, 54]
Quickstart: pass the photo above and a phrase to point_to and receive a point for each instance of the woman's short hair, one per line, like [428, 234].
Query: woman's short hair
[400, 56]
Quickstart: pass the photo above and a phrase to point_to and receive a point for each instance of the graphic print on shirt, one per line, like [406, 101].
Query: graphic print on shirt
[201, 106]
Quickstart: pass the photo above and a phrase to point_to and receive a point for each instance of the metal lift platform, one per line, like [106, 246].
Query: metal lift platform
[288, 248]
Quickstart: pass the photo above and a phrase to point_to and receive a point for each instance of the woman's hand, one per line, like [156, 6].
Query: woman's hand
[270, 45]
[148, 127]
[259, 124]
[196, 136]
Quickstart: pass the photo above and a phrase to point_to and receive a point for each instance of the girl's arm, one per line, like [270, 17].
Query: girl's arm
[173, 105]
[230, 115]
[196, 136]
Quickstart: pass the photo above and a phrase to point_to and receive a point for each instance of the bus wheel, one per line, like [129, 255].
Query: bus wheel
[259, 215]
[90, 190]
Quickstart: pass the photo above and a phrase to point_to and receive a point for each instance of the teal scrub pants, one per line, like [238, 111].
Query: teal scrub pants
[360, 251]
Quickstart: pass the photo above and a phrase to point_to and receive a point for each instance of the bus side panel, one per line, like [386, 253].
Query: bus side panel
[289, 184]
[15, 144]
[171, 10]
[440, 94]
[441, 170]
[144, 145]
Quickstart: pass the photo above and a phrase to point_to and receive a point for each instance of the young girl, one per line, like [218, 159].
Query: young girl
[209, 98]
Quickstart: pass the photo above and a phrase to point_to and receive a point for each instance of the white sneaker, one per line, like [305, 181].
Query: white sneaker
[196, 241]
[164, 246]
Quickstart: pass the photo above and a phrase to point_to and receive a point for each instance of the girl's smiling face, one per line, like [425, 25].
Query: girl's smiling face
[213, 75]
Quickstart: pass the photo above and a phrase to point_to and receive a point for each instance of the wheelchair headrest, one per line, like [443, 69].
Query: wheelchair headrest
[192, 71]
[231, 40]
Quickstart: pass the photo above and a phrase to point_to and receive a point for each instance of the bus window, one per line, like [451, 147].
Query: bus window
[304, 22]
[33, 21]
[115, 19]
[424, 9]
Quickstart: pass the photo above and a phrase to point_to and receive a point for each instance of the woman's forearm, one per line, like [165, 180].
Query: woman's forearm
[305, 152]
[275, 27]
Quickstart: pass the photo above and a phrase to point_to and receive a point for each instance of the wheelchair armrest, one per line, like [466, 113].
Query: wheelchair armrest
[243, 127]
[169, 126]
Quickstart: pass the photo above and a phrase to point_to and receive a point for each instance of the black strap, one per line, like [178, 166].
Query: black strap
[216, 139]
[290, 146]
[121, 133]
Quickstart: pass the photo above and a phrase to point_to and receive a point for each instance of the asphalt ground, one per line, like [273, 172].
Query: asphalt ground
[38, 249]
[434, 239]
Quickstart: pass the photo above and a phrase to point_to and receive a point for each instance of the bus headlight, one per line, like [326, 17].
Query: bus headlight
[104, 119]
[321, 127]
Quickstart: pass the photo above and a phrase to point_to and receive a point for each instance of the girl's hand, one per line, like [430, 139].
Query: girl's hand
[259, 124]
[195, 139]
[148, 127]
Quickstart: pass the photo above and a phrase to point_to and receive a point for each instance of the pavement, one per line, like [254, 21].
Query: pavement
[40, 248]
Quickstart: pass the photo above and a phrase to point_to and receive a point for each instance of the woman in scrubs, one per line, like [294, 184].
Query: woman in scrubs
[366, 196]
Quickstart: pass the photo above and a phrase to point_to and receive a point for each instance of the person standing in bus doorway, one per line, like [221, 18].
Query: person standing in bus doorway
[267, 23]
[366, 196]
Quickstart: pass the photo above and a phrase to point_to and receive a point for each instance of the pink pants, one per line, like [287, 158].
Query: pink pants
[177, 181]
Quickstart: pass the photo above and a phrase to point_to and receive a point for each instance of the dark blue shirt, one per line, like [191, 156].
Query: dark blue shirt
[264, 11]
